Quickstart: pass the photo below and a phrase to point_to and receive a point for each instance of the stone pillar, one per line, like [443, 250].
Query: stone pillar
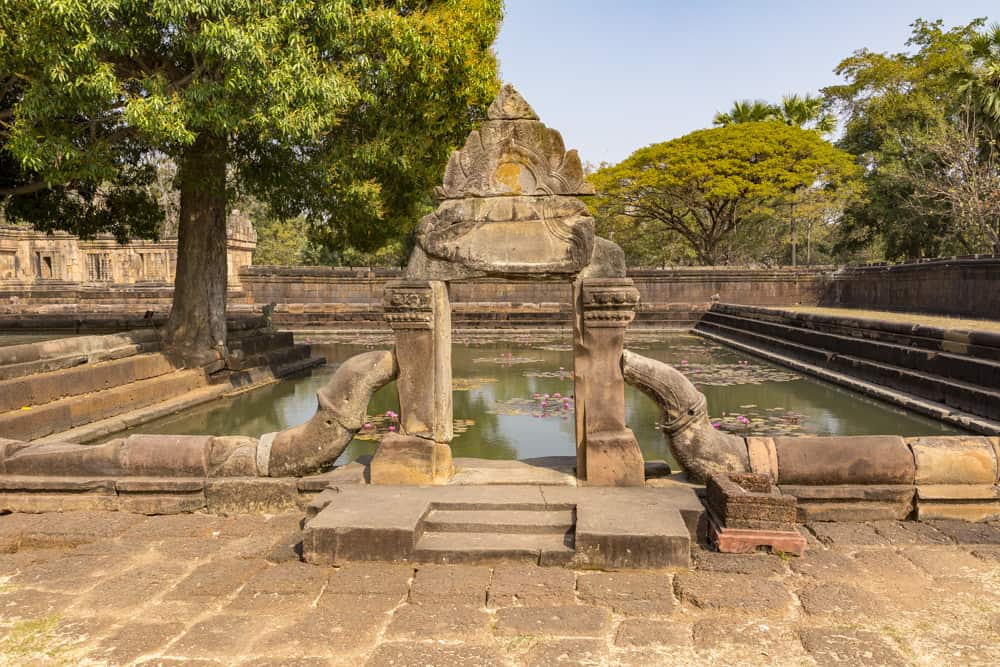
[607, 453]
[420, 316]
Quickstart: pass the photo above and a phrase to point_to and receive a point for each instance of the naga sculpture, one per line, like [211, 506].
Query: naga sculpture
[700, 448]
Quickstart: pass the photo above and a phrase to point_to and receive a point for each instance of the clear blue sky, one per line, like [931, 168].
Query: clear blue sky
[614, 76]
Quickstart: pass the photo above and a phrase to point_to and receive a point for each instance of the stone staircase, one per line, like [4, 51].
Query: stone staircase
[950, 375]
[558, 525]
[539, 534]
[83, 388]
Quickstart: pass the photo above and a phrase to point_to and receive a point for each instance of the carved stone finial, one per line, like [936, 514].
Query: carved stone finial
[509, 105]
[508, 204]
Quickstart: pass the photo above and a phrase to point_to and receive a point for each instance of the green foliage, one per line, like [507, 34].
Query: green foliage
[896, 107]
[981, 81]
[342, 112]
[716, 191]
[279, 242]
[806, 111]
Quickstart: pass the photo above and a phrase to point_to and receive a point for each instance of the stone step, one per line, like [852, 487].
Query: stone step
[907, 400]
[67, 413]
[275, 357]
[977, 344]
[955, 394]
[42, 388]
[486, 547]
[500, 521]
[961, 367]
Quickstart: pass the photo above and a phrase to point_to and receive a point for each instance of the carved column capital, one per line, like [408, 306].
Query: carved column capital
[409, 305]
[609, 302]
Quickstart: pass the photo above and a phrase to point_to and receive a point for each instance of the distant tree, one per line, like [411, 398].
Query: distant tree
[340, 111]
[279, 242]
[746, 111]
[896, 109]
[981, 80]
[806, 111]
[954, 170]
[711, 187]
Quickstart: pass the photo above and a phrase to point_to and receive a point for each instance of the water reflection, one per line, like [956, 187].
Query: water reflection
[492, 391]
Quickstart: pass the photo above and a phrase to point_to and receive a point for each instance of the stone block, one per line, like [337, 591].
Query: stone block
[242, 495]
[965, 532]
[852, 502]
[759, 565]
[570, 621]
[846, 646]
[854, 511]
[966, 511]
[449, 622]
[954, 460]
[404, 459]
[644, 594]
[733, 592]
[749, 501]
[162, 503]
[64, 459]
[614, 459]
[881, 459]
[166, 455]
[763, 456]
[746, 541]
[36, 422]
[57, 502]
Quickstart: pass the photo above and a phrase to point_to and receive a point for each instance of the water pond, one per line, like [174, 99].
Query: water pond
[513, 399]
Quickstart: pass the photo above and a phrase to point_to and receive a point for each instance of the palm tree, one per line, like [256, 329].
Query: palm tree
[981, 82]
[795, 110]
[806, 110]
[746, 111]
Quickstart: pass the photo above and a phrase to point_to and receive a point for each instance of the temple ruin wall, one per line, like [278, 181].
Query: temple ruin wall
[322, 296]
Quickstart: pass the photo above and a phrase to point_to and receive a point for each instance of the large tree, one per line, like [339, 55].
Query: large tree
[713, 187]
[905, 119]
[340, 111]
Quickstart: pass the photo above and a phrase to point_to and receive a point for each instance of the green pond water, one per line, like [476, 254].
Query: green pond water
[501, 412]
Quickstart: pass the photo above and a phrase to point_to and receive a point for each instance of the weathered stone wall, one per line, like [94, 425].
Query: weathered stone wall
[330, 297]
[319, 296]
[43, 266]
[957, 286]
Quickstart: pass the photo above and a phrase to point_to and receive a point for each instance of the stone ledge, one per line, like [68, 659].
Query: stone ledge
[155, 495]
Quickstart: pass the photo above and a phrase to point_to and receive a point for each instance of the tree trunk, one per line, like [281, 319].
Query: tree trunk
[197, 325]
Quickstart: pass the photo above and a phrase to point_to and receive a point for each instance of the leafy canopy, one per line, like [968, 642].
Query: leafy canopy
[799, 110]
[896, 107]
[341, 111]
[711, 187]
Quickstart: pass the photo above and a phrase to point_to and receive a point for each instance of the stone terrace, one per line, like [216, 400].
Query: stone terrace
[81, 588]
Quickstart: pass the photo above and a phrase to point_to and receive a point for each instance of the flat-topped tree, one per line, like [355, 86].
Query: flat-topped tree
[343, 112]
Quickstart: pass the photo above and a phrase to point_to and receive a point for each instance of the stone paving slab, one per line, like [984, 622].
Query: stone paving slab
[146, 594]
